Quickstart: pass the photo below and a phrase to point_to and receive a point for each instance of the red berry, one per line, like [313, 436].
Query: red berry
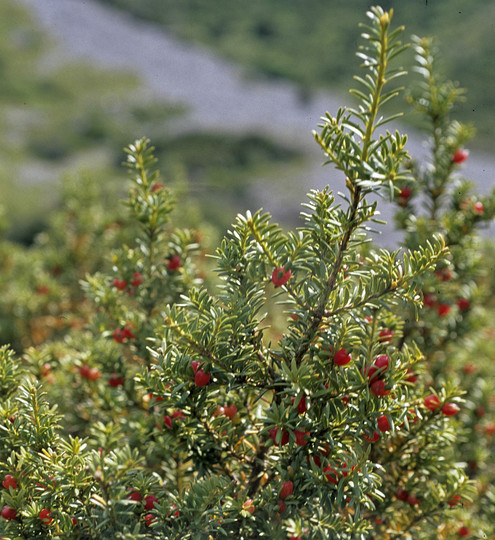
[286, 489]
[379, 389]
[74, 521]
[331, 475]
[116, 380]
[463, 531]
[383, 423]
[149, 502]
[8, 513]
[118, 335]
[201, 378]
[280, 276]
[463, 304]
[301, 437]
[430, 300]
[46, 369]
[413, 500]
[167, 422]
[178, 415]
[404, 195]
[120, 284]
[230, 411]
[450, 409]
[478, 208]
[301, 406]
[469, 368]
[460, 156]
[432, 402]
[412, 378]
[128, 333]
[9, 482]
[444, 274]
[45, 516]
[134, 496]
[454, 500]
[443, 309]
[174, 263]
[281, 506]
[341, 357]
[284, 438]
[195, 365]
[402, 494]
[149, 518]
[137, 279]
[248, 506]
[385, 336]
[375, 437]
[90, 373]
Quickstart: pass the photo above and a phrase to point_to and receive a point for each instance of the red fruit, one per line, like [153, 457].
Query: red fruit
[178, 415]
[463, 531]
[176, 513]
[490, 428]
[413, 500]
[460, 156]
[201, 378]
[412, 378]
[167, 422]
[90, 373]
[74, 521]
[383, 423]
[375, 437]
[137, 279]
[341, 357]
[402, 494]
[281, 506]
[230, 411]
[379, 389]
[134, 496]
[454, 500]
[280, 276]
[284, 439]
[248, 506]
[286, 489]
[8, 513]
[300, 437]
[120, 284]
[331, 475]
[9, 482]
[386, 335]
[450, 409]
[45, 516]
[345, 400]
[480, 412]
[149, 502]
[149, 518]
[404, 195]
[128, 333]
[478, 208]
[116, 380]
[174, 263]
[444, 274]
[469, 368]
[46, 369]
[443, 310]
[463, 304]
[195, 365]
[382, 362]
[430, 300]
[432, 402]
[118, 335]
[301, 406]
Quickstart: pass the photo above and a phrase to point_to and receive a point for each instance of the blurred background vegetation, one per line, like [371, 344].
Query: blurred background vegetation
[313, 42]
[78, 117]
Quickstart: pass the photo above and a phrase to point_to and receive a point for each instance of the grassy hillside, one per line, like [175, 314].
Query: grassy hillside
[313, 41]
[74, 117]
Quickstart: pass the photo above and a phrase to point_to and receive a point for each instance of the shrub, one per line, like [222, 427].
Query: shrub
[291, 399]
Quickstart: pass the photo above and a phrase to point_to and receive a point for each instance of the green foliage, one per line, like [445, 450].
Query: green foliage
[304, 394]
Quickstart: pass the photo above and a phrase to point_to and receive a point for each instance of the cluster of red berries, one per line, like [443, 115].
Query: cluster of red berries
[90, 373]
[201, 378]
[432, 402]
[123, 285]
[123, 333]
[375, 374]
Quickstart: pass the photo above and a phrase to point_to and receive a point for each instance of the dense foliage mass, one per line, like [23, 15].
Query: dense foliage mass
[312, 387]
